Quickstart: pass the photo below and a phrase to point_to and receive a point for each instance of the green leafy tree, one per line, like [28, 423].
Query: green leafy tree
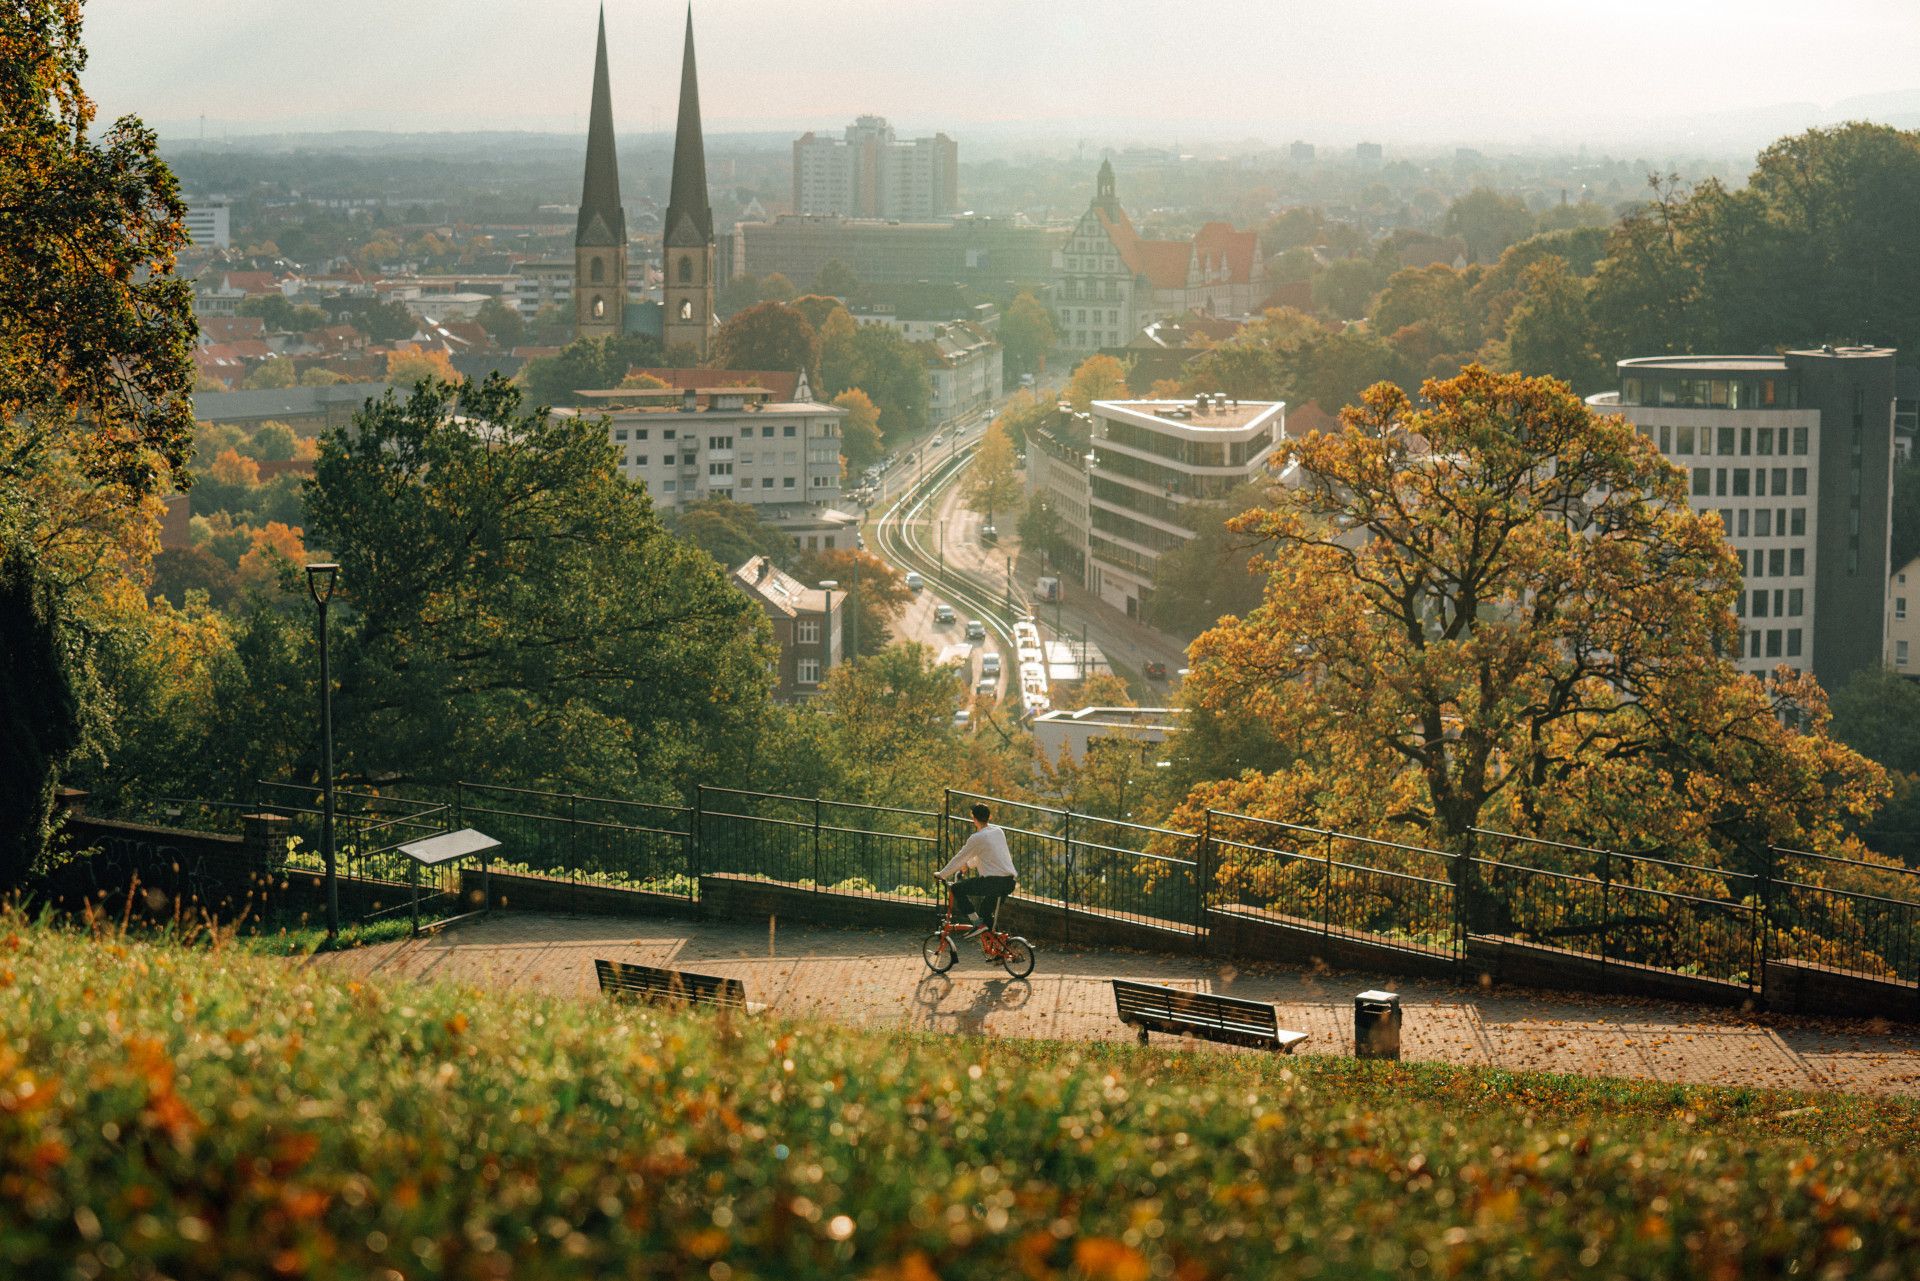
[1027, 335]
[1210, 574]
[1877, 713]
[315, 376]
[1346, 287]
[836, 280]
[587, 364]
[281, 314]
[1488, 221]
[271, 443]
[817, 309]
[513, 609]
[768, 335]
[1550, 330]
[1336, 369]
[777, 288]
[95, 398]
[733, 533]
[881, 363]
[502, 322]
[876, 592]
[273, 372]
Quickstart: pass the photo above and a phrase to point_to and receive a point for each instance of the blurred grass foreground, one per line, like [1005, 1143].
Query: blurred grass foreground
[203, 1110]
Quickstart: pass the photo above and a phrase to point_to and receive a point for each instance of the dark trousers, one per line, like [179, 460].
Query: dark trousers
[983, 893]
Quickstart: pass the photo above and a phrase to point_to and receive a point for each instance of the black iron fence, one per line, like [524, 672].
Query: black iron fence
[1611, 907]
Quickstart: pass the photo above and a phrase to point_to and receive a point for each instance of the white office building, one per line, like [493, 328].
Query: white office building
[1794, 453]
[1153, 462]
[869, 173]
[210, 224]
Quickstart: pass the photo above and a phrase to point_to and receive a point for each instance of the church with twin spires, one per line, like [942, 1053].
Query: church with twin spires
[600, 234]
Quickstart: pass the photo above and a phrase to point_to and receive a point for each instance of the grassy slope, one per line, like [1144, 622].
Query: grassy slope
[220, 1113]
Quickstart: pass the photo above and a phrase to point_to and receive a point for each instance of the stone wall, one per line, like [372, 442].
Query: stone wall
[1800, 987]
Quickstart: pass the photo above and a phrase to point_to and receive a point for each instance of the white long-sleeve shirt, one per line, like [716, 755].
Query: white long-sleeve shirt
[985, 852]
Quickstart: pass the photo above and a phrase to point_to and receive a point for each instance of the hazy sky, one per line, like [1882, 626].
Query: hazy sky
[1499, 71]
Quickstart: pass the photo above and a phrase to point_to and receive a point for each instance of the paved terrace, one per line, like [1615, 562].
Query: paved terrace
[875, 978]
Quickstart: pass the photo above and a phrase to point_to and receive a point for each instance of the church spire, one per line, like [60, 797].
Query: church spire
[600, 234]
[602, 220]
[689, 216]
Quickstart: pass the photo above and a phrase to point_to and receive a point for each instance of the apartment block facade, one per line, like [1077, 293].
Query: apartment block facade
[1794, 453]
[870, 173]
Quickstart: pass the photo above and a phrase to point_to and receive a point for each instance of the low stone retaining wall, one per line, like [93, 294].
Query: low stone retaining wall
[1802, 987]
[1505, 960]
[1252, 934]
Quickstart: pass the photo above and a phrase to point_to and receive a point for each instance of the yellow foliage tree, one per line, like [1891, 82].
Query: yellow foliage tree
[1498, 611]
[1097, 378]
[409, 365]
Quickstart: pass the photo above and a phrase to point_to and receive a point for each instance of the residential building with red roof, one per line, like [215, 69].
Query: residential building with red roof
[1113, 281]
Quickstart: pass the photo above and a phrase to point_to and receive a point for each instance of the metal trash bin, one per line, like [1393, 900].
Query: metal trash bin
[1376, 1025]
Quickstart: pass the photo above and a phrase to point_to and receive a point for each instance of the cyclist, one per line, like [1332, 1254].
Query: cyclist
[986, 853]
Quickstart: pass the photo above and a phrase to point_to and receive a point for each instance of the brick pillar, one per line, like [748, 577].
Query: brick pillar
[263, 840]
[68, 800]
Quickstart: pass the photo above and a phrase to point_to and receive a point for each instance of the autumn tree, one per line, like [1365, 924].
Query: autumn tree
[1498, 611]
[409, 366]
[95, 397]
[733, 533]
[771, 336]
[1097, 378]
[817, 308]
[992, 484]
[1027, 335]
[1346, 288]
[860, 432]
[876, 593]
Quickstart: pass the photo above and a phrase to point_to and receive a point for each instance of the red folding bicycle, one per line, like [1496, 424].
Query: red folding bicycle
[942, 949]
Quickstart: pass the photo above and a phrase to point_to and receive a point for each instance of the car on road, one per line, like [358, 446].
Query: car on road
[943, 613]
[989, 535]
[914, 581]
[937, 440]
[961, 718]
[987, 686]
[1156, 670]
[976, 630]
[990, 665]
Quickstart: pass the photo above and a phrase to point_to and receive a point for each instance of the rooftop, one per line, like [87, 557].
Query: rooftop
[1204, 412]
[781, 591]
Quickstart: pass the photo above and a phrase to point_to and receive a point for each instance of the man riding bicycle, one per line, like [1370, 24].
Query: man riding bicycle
[986, 853]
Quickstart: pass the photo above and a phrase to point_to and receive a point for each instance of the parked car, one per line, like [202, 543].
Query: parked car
[914, 581]
[943, 613]
[976, 630]
[1156, 670]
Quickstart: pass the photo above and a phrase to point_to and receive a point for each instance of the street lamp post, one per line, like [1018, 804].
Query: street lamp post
[320, 583]
[827, 585]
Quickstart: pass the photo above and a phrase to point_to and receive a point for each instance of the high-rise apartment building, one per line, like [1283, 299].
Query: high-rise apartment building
[1795, 454]
[869, 173]
[210, 224]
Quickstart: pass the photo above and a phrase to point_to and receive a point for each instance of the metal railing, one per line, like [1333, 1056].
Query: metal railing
[1620, 909]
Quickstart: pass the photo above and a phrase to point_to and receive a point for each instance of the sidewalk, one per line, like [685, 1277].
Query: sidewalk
[875, 978]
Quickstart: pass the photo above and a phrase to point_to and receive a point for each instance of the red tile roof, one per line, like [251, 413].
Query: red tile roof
[219, 329]
[1240, 249]
[252, 282]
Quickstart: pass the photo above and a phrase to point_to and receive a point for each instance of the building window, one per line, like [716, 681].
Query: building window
[1796, 562]
[1763, 522]
[786, 482]
[1799, 481]
[1773, 642]
[686, 273]
[1685, 442]
[766, 482]
[807, 671]
[1759, 607]
[1899, 653]
[1779, 481]
[599, 308]
[1796, 602]
[1799, 522]
[1899, 606]
[719, 442]
[620, 433]
[766, 433]
[787, 430]
[599, 271]
[641, 461]
[640, 433]
[1777, 562]
[1765, 444]
[1666, 438]
[1702, 481]
[807, 632]
[686, 309]
[1720, 482]
[667, 486]
[1799, 440]
[1793, 642]
[1726, 441]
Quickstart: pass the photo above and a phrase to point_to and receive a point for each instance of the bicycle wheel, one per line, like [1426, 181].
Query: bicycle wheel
[1018, 957]
[939, 952]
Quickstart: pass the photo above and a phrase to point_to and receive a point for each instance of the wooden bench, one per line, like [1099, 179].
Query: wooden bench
[621, 978]
[1150, 1008]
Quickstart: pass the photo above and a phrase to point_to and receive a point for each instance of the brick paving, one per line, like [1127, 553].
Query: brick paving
[875, 978]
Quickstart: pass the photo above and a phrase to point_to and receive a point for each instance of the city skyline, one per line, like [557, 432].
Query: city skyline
[1372, 70]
